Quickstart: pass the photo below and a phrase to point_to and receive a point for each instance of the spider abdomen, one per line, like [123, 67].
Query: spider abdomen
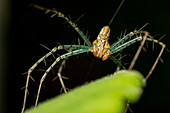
[101, 45]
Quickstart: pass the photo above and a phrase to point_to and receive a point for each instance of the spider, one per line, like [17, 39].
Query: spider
[100, 48]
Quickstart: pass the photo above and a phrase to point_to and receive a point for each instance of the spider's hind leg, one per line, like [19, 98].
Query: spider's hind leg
[148, 38]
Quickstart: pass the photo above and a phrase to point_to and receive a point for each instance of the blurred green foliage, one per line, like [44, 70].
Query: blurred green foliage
[109, 94]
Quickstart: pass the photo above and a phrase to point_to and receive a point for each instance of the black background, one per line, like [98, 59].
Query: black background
[31, 27]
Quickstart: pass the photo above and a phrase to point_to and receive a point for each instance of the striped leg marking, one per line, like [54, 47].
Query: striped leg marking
[76, 52]
[29, 72]
[41, 59]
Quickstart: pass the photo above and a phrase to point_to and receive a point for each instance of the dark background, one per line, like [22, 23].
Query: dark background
[30, 27]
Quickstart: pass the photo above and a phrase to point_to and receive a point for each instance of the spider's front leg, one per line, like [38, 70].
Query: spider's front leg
[60, 14]
[30, 71]
[43, 58]
[76, 52]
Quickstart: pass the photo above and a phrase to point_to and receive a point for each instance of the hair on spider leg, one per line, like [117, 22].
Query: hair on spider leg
[61, 77]
[67, 89]
[78, 18]
[161, 60]
[69, 18]
[121, 57]
[143, 27]
[161, 37]
[43, 70]
[88, 36]
[25, 73]
[59, 73]
[43, 85]
[87, 33]
[23, 88]
[121, 34]
[78, 41]
[60, 70]
[47, 49]
[124, 32]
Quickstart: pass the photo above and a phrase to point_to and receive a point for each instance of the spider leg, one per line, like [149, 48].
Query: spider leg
[155, 63]
[121, 41]
[29, 72]
[76, 52]
[139, 49]
[60, 77]
[116, 44]
[41, 59]
[121, 47]
[59, 14]
[139, 38]
[59, 73]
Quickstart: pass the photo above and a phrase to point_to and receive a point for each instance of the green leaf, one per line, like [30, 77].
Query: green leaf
[109, 94]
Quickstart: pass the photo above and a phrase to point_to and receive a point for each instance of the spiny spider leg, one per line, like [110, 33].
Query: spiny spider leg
[121, 41]
[59, 14]
[59, 73]
[60, 77]
[76, 52]
[155, 63]
[139, 50]
[143, 38]
[121, 47]
[44, 57]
